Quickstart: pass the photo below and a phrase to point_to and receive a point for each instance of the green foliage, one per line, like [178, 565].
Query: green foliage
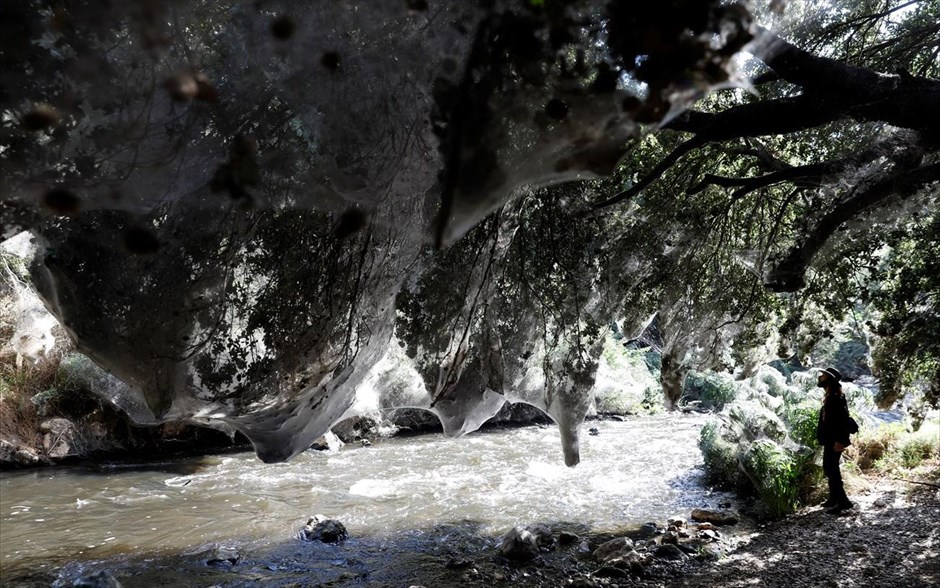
[777, 475]
[889, 448]
[720, 456]
[623, 381]
[16, 266]
[907, 296]
[871, 444]
[69, 392]
[802, 420]
[653, 399]
[915, 449]
[620, 358]
[710, 390]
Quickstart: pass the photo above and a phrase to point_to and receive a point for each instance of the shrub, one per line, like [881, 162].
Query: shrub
[890, 447]
[771, 380]
[19, 418]
[752, 421]
[622, 380]
[777, 474]
[710, 390]
[871, 445]
[720, 456]
[916, 448]
[802, 419]
[653, 399]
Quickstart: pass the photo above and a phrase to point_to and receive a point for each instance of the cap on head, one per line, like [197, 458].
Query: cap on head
[832, 372]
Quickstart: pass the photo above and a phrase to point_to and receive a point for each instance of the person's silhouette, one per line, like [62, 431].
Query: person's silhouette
[832, 432]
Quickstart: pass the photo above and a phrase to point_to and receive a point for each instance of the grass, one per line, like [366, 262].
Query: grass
[19, 417]
[778, 475]
[889, 449]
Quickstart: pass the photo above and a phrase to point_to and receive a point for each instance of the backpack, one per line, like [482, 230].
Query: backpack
[852, 426]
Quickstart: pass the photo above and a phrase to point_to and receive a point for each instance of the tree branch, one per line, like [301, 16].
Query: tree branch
[803, 175]
[768, 117]
[859, 92]
[649, 178]
[787, 275]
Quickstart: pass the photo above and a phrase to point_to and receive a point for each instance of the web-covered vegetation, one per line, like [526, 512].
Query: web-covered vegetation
[239, 204]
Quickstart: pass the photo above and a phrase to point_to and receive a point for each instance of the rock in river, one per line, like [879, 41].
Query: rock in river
[519, 544]
[320, 528]
[102, 579]
[714, 517]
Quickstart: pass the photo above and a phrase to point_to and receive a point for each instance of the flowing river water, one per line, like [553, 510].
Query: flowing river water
[58, 522]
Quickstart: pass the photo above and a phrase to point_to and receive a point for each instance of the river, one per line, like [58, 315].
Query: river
[58, 522]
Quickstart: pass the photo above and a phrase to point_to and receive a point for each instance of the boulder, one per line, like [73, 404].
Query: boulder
[544, 537]
[58, 437]
[714, 517]
[356, 428]
[787, 366]
[668, 551]
[327, 442]
[320, 528]
[221, 556]
[519, 544]
[613, 549]
[632, 561]
[25, 456]
[670, 537]
[7, 450]
[851, 358]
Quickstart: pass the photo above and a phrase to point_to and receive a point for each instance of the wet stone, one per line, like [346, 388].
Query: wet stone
[519, 544]
[544, 537]
[612, 549]
[714, 517]
[708, 535]
[670, 552]
[320, 528]
[101, 579]
[705, 526]
[457, 563]
[671, 538]
[222, 556]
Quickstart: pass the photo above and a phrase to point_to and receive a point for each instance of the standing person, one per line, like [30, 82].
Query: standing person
[832, 432]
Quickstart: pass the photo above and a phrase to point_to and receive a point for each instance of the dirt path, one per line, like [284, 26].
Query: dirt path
[891, 539]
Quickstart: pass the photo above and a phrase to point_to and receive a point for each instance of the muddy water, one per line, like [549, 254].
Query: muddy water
[55, 520]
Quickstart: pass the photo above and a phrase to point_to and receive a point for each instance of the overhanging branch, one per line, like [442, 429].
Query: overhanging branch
[787, 275]
[649, 178]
